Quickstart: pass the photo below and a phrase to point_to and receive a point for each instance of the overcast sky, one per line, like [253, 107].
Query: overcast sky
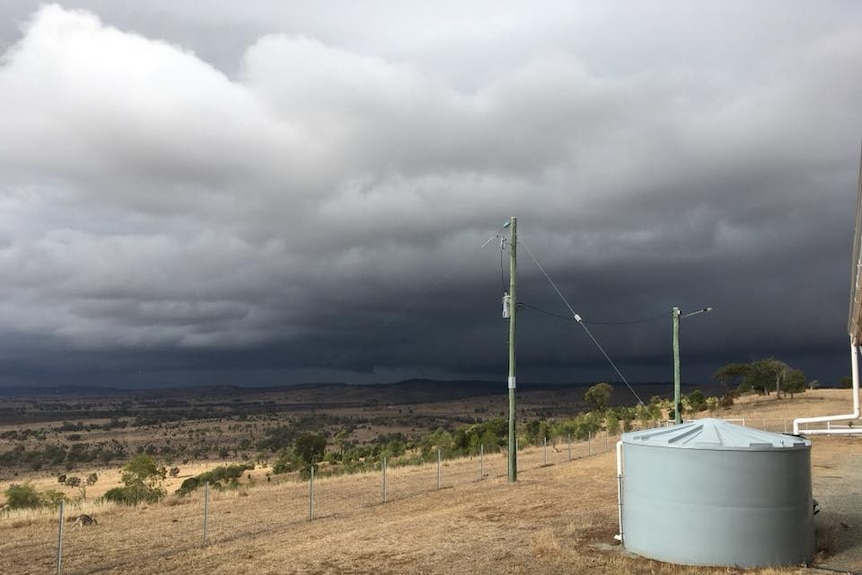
[274, 192]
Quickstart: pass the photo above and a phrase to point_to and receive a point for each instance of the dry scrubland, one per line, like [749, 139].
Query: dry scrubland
[559, 518]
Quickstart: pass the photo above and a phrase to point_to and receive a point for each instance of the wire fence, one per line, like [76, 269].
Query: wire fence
[209, 516]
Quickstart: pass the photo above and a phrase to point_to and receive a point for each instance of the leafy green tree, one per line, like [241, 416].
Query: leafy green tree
[696, 400]
[732, 373]
[278, 438]
[795, 382]
[760, 376]
[309, 448]
[763, 376]
[437, 439]
[142, 478]
[598, 396]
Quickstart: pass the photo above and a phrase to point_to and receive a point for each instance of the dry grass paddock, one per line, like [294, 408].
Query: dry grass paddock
[559, 518]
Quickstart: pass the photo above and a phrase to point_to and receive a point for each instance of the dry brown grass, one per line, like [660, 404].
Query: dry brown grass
[810, 403]
[558, 518]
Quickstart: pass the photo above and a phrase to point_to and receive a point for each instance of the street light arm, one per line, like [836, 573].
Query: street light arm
[704, 310]
[677, 400]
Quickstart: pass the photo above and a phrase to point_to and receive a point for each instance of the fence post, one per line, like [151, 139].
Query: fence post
[544, 451]
[481, 462]
[438, 469]
[383, 468]
[570, 446]
[60, 539]
[206, 509]
[311, 495]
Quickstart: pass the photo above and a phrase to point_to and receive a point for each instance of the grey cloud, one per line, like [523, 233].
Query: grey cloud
[311, 197]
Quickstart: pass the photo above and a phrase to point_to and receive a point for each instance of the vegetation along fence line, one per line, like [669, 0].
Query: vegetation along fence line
[287, 503]
[290, 502]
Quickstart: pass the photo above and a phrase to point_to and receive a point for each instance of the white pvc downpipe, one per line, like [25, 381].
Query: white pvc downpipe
[854, 362]
[619, 536]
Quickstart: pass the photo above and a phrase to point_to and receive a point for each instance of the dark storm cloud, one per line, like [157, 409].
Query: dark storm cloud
[274, 193]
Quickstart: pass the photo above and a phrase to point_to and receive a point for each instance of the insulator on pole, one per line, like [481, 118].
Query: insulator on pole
[507, 302]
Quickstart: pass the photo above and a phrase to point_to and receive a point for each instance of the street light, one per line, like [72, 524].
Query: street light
[677, 401]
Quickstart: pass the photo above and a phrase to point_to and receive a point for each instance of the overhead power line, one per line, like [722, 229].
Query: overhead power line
[580, 321]
[567, 318]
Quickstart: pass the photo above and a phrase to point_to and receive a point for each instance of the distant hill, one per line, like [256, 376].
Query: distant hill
[410, 391]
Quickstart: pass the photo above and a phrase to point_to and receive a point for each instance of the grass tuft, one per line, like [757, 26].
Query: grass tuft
[544, 542]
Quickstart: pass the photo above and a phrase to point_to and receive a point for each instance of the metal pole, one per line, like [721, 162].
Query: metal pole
[311, 495]
[60, 539]
[438, 469]
[383, 467]
[206, 509]
[677, 401]
[513, 307]
[545, 451]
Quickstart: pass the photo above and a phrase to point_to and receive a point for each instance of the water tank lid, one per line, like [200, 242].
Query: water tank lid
[715, 434]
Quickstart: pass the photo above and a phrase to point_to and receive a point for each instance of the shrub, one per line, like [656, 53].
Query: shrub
[229, 473]
[23, 496]
[142, 479]
[696, 400]
[52, 498]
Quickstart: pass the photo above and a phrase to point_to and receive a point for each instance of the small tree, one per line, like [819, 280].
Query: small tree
[142, 478]
[309, 448]
[712, 403]
[795, 382]
[598, 396]
[696, 400]
[612, 422]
